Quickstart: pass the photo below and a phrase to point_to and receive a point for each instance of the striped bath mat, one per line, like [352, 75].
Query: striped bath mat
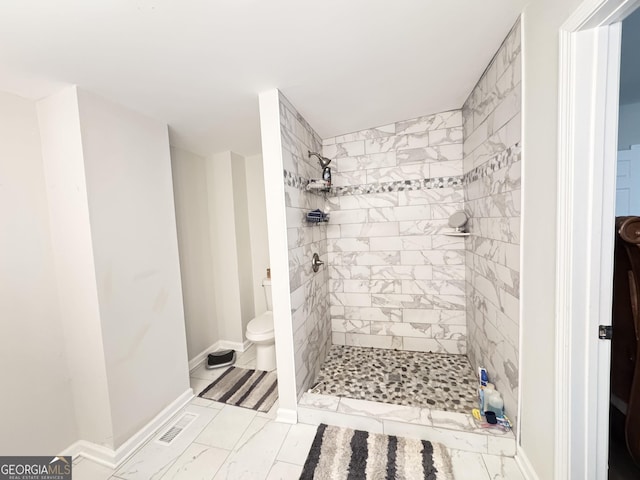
[241, 387]
[343, 454]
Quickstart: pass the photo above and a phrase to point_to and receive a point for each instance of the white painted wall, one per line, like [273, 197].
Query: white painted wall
[257, 229]
[541, 22]
[243, 239]
[629, 126]
[224, 247]
[64, 170]
[194, 242]
[133, 231]
[32, 351]
[278, 252]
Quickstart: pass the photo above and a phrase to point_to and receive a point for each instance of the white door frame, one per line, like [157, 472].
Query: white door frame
[587, 147]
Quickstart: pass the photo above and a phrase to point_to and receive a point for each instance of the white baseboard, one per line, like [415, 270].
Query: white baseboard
[196, 361]
[237, 346]
[287, 415]
[114, 458]
[199, 359]
[525, 465]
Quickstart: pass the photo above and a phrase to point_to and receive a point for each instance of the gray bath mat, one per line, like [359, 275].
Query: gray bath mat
[342, 453]
[241, 387]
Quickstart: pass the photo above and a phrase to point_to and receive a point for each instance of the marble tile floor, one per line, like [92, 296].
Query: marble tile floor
[227, 442]
[438, 381]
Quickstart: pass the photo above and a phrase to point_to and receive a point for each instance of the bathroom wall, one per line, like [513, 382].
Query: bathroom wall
[396, 281]
[492, 133]
[120, 297]
[194, 244]
[257, 228]
[220, 214]
[32, 348]
[309, 290]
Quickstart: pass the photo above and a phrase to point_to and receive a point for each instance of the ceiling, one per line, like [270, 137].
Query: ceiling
[199, 65]
[630, 60]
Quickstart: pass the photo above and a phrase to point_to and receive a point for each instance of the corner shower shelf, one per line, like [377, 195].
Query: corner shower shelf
[457, 234]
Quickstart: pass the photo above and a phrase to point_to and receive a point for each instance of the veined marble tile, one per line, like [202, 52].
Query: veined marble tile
[312, 416]
[382, 229]
[445, 136]
[449, 119]
[346, 179]
[466, 441]
[317, 401]
[392, 214]
[444, 210]
[502, 467]
[434, 345]
[447, 242]
[371, 258]
[346, 149]
[433, 287]
[197, 462]
[376, 341]
[363, 162]
[401, 329]
[505, 445]
[351, 326]
[448, 332]
[297, 444]
[467, 464]
[423, 227]
[355, 272]
[431, 196]
[385, 144]
[387, 199]
[446, 317]
[400, 173]
[446, 169]
[387, 411]
[228, 416]
[284, 471]
[379, 314]
[349, 216]
[351, 299]
[402, 272]
[153, 460]
[377, 132]
[354, 244]
[394, 300]
[418, 140]
[432, 257]
[255, 454]
[386, 243]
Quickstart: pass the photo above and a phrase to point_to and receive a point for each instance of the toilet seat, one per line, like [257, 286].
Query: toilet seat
[261, 327]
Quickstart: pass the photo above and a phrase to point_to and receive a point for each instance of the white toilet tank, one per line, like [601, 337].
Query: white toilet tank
[266, 284]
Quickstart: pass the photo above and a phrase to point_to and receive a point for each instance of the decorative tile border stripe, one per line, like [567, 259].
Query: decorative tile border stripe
[293, 180]
[397, 186]
[501, 160]
[296, 181]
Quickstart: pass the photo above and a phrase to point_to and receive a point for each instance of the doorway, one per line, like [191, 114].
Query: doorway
[590, 44]
[624, 344]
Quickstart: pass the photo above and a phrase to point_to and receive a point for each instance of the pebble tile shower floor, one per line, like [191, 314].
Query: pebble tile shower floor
[439, 381]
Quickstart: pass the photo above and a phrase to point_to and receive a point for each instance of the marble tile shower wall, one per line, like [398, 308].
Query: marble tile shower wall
[309, 290]
[491, 121]
[395, 280]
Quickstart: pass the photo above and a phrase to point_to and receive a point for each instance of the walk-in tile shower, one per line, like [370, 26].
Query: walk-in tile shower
[400, 294]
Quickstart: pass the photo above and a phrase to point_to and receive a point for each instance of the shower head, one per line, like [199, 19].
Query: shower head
[324, 161]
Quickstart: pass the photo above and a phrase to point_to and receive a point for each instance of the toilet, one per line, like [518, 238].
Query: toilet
[260, 333]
